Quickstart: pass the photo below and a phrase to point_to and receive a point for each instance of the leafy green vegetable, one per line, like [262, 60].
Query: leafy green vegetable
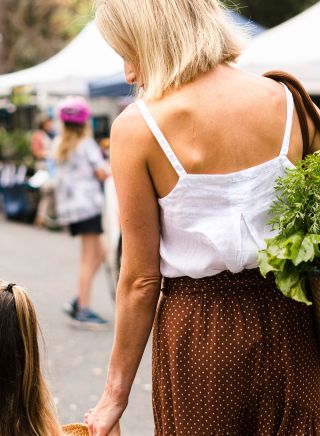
[309, 249]
[266, 264]
[297, 207]
[294, 252]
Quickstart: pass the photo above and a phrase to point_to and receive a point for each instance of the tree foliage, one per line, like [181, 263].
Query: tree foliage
[33, 30]
[269, 12]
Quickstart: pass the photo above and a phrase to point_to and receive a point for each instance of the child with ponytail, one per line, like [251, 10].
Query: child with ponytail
[26, 405]
[80, 173]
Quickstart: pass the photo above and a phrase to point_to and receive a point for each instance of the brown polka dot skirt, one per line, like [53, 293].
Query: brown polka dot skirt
[233, 357]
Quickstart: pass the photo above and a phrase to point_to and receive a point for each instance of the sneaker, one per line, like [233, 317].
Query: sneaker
[71, 308]
[88, 320]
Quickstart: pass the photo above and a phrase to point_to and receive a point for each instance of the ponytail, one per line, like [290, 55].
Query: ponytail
[71, 135]
[26, 405]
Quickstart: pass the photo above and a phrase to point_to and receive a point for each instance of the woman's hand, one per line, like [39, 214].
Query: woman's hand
[103, 420]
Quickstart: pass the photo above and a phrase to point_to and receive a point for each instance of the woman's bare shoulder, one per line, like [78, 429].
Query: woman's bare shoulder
[256, 87]
[127, 120]
[130, 129]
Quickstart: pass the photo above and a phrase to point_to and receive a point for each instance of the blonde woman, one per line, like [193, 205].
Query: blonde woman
[194, 162]
[81, 170]
[26, 405]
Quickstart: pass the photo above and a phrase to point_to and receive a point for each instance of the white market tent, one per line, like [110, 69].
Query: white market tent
[293, 46]
[86, 58]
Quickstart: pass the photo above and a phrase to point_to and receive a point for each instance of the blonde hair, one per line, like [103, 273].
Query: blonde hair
[171, 42]
[26, 406]
[71, 136]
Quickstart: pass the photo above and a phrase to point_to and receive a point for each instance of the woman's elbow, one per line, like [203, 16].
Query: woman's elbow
[143, 288]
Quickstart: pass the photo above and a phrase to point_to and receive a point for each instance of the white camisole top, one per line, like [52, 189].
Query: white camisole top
[212, 222]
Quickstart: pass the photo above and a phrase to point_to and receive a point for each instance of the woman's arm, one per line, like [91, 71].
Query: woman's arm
[37, 145]
[139, 283]
[102, 173]
[96, 160]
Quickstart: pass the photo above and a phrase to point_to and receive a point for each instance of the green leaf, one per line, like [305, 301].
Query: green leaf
[298, 294]
[264, 264]
[287, 279]
[308, 249]
[316, 241]
[277, 264]
[293, 245]
[290, 284]
[279, 251]
[284, 248]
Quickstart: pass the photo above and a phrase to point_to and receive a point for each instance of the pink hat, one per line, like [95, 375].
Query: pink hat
[74, 110]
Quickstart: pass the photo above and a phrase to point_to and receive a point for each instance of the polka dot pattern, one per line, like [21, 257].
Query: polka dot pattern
[233, 357]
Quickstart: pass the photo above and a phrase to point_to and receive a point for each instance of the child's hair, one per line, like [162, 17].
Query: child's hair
[74, 113]
[72, 133]
[26, 406]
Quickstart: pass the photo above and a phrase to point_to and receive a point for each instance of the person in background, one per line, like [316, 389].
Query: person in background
[79, 200]
[42, 147]
[41, 141]
[105, 146]
[26, 405]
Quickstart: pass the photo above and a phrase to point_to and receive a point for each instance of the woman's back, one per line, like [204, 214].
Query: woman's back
[223, 122]
[220, 217]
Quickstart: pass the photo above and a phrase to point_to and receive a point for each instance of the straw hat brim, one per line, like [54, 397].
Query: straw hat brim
[75, 430]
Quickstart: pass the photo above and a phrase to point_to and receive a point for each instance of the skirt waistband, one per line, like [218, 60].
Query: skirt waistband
[218, 282]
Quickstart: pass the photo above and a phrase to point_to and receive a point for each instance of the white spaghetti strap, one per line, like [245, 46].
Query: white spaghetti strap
[287, 134]
[160, 138]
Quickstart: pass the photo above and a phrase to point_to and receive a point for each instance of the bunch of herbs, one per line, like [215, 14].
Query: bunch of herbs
[294, 252]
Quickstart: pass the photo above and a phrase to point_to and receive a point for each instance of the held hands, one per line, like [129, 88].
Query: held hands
[104, 419]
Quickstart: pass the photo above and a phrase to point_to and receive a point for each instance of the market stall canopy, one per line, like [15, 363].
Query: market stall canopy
[116, 86]
[87, 57]
[113, 86]
[293, 46]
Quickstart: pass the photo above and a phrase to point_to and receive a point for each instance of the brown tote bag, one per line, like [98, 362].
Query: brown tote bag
[304, 105]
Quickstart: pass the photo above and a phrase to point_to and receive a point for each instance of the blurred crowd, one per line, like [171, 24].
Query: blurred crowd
[65, 191]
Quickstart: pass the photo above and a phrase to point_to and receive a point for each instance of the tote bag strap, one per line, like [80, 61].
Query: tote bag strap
[303, 104]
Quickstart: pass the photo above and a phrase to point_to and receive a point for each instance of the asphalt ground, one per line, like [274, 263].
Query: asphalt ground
[46, 264]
